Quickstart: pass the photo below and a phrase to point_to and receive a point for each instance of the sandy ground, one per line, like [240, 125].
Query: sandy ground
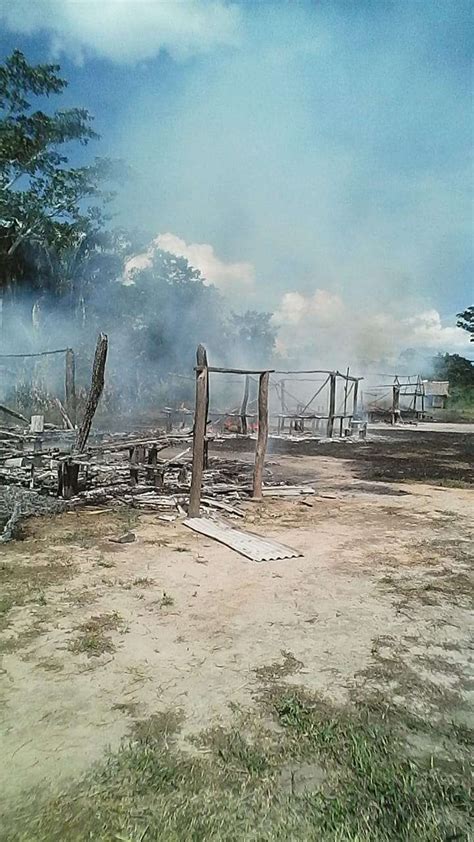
[373, 603]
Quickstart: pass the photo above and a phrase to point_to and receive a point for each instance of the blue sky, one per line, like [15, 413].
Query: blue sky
[320, 147]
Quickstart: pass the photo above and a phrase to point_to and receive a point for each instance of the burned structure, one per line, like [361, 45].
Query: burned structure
[82, 467]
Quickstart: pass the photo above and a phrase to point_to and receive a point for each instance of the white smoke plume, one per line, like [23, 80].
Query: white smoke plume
[125, 30]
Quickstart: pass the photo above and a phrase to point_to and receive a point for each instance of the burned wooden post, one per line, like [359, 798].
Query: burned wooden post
[283, 405]
[199, 432]
[68, 479]
[70, 386]
[97, 386]
[262, 436]
[152, 471]
[243, 408]
[346, 388]
[137, 458]
[395, 402]
[332, 403]
[356, 394]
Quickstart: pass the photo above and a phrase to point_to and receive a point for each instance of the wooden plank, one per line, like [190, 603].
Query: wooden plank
[262, 436]
[199, 431]
[246, 543]
[37, 424]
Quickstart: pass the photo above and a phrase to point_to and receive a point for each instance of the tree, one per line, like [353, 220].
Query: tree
[456, 369]
[466, 321]
[42, 199]
[254, 336]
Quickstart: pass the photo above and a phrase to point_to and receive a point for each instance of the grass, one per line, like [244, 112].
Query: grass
[92, 639]
[289, 666]
[364, 786]
[166, 600]
[22, 584]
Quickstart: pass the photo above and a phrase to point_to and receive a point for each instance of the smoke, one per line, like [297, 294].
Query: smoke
[311, 160]
[325, 328]
[125, 30]
[330, 151]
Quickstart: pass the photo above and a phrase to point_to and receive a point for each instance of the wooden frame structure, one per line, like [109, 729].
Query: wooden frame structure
[200, 442]
[402, 386]
[302, 414]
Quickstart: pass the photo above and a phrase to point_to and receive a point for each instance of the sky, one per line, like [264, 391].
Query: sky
[313, 159]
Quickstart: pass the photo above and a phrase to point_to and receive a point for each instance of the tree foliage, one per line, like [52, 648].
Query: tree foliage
[456, 369]
[43, 200]
[466, 321]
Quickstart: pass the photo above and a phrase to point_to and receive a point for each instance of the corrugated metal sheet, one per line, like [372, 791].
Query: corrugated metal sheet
[247, 544]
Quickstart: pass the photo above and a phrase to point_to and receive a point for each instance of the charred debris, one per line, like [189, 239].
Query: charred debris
[167, 469]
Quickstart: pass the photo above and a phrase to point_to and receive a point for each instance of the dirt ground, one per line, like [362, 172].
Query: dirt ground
[96, 635]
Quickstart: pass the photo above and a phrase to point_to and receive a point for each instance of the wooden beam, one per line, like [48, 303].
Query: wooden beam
[70, 386]
[262, 436]
[332, 403]
[97, 386]
[235, 370]
[199, 432]
[13, 414]
[243, 408]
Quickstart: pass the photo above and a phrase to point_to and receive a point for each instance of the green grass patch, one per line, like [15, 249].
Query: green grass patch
[294, 769]
[92, 639]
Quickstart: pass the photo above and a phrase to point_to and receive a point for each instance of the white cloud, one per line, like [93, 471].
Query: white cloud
[201, 256]
[125, 31]
[323, 327]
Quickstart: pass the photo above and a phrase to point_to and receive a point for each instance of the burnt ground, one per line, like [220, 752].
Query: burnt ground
[404, 454]
[121, 646]
[412, 455]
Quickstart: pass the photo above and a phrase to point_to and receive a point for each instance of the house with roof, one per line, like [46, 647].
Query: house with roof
[436, 393]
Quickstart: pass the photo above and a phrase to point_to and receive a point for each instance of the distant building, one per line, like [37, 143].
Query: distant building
[436, 393]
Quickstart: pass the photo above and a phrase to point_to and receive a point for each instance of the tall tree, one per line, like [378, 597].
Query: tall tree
[43, 200]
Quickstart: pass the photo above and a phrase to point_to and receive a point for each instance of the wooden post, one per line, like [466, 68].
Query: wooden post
[243, 408]
[152, 471]
[97, 385]
[283, 404]
[356, 393]
[68, 479]
[199, 432]
[70, 386]
[332, 403]
[262, 436]
[395, 403]
[346, 386]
